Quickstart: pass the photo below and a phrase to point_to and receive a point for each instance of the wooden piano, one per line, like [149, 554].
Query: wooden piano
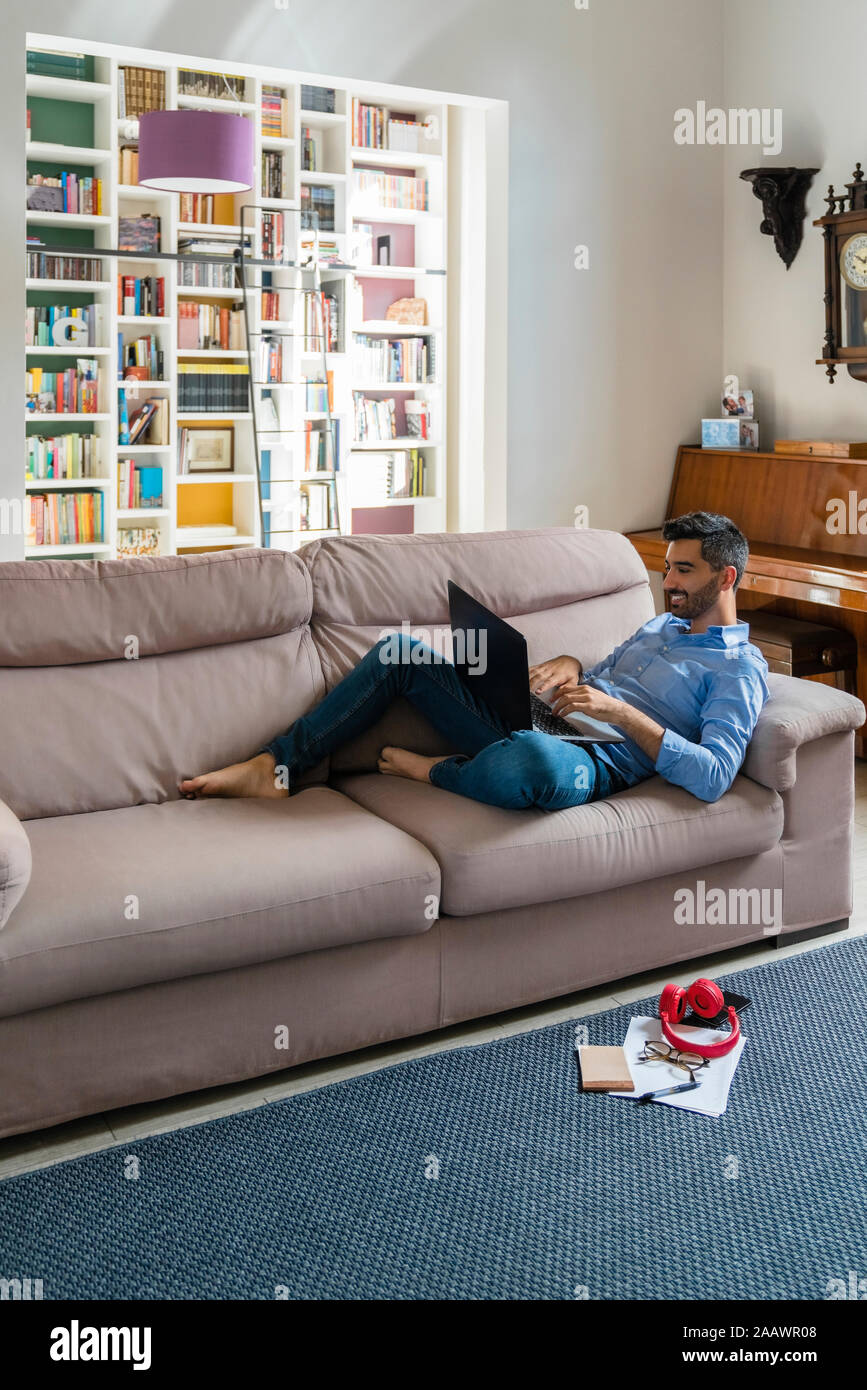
[798, 568]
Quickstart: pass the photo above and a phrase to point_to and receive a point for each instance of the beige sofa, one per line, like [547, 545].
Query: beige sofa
[153, 945]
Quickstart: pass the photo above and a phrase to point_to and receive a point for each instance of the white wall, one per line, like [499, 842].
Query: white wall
[808, 60]
[609, 369]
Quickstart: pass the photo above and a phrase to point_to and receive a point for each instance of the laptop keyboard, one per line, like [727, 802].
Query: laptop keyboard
[545, 722]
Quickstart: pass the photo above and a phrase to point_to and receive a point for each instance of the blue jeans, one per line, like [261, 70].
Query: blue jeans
[493, 765]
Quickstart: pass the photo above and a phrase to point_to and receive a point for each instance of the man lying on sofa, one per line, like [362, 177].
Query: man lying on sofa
[685, 690]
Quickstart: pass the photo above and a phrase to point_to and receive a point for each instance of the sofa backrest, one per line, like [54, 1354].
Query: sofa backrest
[119, 677]
[567, 590]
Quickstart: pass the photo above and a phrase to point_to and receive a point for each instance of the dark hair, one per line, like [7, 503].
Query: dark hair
[721, 542]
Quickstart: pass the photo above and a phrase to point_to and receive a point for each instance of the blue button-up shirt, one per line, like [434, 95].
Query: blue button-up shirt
[706, 689]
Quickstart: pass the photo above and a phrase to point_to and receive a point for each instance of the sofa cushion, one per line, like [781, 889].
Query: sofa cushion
[119, 677]
[113, 734]
[62, 611]
[492, 858]
[149, 893]
[797, 712]
[566, 590]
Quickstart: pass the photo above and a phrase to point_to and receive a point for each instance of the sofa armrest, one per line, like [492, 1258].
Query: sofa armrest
[15, 862]
[798, 711]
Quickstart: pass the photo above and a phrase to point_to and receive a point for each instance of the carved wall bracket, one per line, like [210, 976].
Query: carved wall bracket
[783, 194]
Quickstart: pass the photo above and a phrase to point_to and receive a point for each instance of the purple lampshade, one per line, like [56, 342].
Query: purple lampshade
[195, 151]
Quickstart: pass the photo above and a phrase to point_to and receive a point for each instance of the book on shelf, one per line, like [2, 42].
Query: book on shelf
[74, 391]
[273, 235]
[42, 321]
[376, 188]
[53, 62]
[128, 164]
[274, 112]
[64, 518]
[269, 358]
[213, 387]
[43, 265]
[329, 253]
[142, 358]
[320, 321]
[137, 540]
[374, 419]
[147, 423]
[65, 192]
[203, 260]
[140, 233]
[317, 98]
[141, 296]
[276, 175]
[407, 360]
[318, 507]
[407, 474]
[404, 132]
[368, 125]
[309, 150]
[138, 485]
[270, 306]
[317, 201]
[319, 394]
[218, 86]
[375, 477]
[204, 326]
[321, 446]
[197, 275]
[62, 456]
[196, 207]
[140, 90]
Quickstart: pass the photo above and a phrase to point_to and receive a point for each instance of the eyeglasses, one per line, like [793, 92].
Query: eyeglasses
[662, 1052]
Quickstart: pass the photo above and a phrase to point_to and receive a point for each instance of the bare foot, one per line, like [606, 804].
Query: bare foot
[253, 778]
[399, 762]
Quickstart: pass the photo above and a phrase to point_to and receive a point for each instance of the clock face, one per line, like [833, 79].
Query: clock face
[853, 261]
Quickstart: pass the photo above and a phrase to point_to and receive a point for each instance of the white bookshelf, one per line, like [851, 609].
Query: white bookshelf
[418, 248]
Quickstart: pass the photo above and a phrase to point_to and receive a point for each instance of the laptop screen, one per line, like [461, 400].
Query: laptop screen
[491, 658]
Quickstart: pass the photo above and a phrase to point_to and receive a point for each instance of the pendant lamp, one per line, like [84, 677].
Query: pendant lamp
[192, 151]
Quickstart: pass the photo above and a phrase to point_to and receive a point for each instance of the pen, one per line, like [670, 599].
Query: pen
[669, 1091]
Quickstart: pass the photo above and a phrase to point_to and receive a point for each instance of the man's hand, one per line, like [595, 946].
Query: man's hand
[586, 699]
[559, 671]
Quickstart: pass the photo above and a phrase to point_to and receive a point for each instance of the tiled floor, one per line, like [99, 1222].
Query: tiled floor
[22, 1153]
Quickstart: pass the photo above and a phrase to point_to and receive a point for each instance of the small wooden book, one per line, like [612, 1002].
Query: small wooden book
[604, 1069]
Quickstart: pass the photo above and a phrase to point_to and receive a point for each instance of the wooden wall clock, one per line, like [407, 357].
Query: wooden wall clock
[845, 230]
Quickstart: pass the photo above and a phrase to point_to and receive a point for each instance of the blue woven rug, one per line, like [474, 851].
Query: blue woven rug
[541, 1193]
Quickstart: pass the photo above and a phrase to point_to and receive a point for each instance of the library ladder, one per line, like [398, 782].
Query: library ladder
[274, 421]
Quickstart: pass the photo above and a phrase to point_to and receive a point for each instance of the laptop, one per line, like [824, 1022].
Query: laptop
[490, 656]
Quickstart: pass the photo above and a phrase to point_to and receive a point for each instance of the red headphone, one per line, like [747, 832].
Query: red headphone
[705, 999]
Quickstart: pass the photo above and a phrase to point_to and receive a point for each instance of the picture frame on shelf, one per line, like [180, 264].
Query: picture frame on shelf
[742, 404]
[210, 450]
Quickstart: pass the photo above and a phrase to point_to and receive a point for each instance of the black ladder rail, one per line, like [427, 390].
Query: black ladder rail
[311, 266]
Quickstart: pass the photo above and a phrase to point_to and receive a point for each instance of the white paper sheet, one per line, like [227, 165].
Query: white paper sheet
[711, 1097]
